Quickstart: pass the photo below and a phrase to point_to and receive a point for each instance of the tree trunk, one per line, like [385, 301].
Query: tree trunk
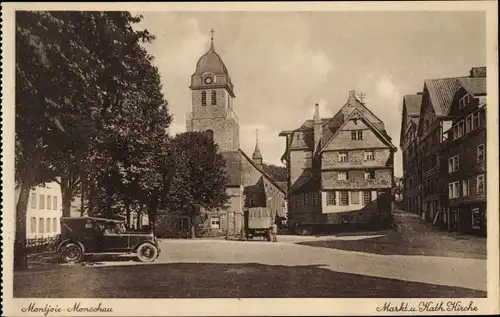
[193, 230]
[67, 197]
[68, 184]
[192, 221]
[139, 220]
[20, 254]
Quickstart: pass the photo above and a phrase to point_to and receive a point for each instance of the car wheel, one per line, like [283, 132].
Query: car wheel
[147, 252]
[71, 253]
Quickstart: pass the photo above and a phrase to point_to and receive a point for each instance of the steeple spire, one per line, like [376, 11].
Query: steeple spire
[257, 156]
[212, 31]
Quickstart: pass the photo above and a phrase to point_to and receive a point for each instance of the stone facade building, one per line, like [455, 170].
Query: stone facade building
[340, 169]
[213, 112]
[466, 155]
[434, 122]
[409, 146]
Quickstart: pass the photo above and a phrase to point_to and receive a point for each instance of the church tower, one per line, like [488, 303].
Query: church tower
[212, 101]
[257, 156]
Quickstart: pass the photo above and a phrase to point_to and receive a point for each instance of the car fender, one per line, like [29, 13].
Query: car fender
[69, 240]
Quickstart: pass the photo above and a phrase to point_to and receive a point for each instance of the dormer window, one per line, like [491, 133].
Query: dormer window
[464, 101]
[214, 97]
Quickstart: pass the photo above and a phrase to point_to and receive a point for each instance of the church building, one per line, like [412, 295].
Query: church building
[213, 112]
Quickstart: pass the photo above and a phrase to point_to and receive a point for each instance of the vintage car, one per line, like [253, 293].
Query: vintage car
[91, 235]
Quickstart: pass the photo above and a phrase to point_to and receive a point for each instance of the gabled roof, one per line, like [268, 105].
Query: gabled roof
[411, 111]
[476, 86]
[412, 104]
[269, 178]
[305, 185]
[383, 134]
[441, 93]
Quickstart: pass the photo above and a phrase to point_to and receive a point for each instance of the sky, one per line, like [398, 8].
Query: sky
[282, 63]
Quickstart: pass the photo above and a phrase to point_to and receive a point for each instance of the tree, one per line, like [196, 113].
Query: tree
[85, 89]
[199, 180]
[278, 173]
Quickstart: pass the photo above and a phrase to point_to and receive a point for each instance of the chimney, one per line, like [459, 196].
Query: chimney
[478, 71]
[352, 93]
[318, 128]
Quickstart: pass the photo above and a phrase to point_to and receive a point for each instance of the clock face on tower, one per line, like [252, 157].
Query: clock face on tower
[208, 80]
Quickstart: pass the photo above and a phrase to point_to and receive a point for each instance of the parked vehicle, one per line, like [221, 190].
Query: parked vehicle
[90, 235]
[258, 222]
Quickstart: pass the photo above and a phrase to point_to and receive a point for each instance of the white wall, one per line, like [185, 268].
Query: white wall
[350, 207]
[42, 216]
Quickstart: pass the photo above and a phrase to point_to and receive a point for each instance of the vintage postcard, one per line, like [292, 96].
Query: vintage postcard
[266, 158]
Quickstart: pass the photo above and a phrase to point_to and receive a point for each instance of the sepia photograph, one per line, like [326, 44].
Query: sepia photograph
[243, 152]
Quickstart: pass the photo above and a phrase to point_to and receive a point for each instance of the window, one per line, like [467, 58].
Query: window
[308, 159]
[54, 224]
[343, 157]
[331, 199]
[480, 153]
[369, 174]
[306, 199]
[465, 188]
[468, 124]
[367, 197]
[370, 155]
[298, 201]
[355, 197]
[203, 98]
[453, 164]
[357, 135]
[213, 97]
[344, 198]
[343, 176]
[48, 225]
[480, 185]
[453, 190]
[41, 225]
[49, 202]
[315, 199]
[215, 222]
[33, 200]
[464, 101]
[41, 202]
[33, 225]
[475, 120]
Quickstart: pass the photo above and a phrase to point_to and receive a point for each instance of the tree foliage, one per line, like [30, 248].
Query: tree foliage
[88, 103]
[278, 173]
[199, 179]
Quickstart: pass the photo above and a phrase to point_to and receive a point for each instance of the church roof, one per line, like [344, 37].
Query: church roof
[211, 62]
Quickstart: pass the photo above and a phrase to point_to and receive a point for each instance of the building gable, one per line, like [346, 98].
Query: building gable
[426, 110]
[247, 161]
[357, 121]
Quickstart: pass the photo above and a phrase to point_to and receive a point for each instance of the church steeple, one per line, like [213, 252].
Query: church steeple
[212, 101]
[257, 156]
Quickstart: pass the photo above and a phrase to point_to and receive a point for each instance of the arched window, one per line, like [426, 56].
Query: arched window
[203, 98]
[214, 97]
[210, 134]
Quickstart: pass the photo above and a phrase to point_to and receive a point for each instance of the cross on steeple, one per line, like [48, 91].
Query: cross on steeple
[212, 37]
